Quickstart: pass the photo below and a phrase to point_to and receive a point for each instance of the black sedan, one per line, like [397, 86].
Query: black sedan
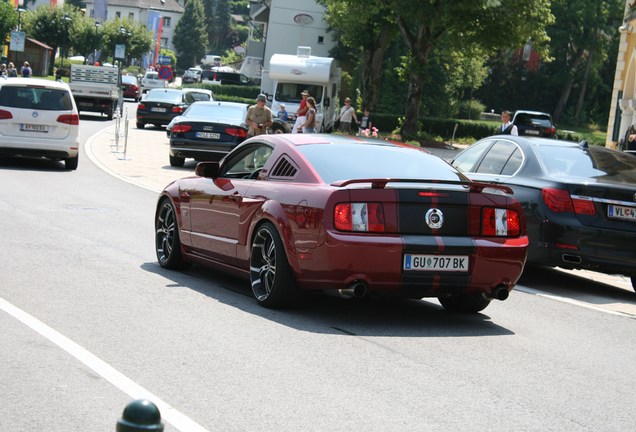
[579, 199]
[207, 131]
[160, 106]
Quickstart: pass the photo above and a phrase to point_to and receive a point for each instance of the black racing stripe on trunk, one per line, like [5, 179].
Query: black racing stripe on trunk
[412, 210]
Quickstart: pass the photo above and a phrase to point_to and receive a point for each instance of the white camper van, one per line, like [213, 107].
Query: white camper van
[289, 75]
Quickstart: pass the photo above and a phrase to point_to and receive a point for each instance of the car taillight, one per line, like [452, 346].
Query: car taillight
[237, 132]
[141, 107]
[177, 109]
[5, 115]
[180, 128]
[560, 201]
[72, 119]
[500, 222]
[361, 217]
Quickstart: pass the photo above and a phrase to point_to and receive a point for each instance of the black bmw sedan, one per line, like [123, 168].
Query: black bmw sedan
[160, 106]
[579, 199]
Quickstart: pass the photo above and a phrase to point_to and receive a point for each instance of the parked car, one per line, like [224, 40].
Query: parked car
[351, 216]
[207, 131]
[160, 106]
[579, 199]
[192, 75]
[39, 118]
[151, 81]
[131, 87]
[534, 123]
[228, 78]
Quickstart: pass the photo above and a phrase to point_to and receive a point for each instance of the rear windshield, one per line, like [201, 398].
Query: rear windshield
[165, 96]
[533, 119]
[216, 113]
[593, 162]
[359, 161]
[41, 98]
[152, 75]
[129, 79]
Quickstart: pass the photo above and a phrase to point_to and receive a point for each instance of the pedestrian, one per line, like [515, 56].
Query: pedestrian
[58, 74]
[507, 128]
[259, 117]
[365, 121]
[282, 113]
[302, 111]
[11, 71]
[26, 70]
[347, 115]
[309, 126]
[3, 70]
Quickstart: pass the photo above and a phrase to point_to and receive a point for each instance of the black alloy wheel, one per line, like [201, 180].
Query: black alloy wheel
[167, 243]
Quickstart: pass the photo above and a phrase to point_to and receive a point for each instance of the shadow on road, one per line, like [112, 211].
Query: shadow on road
[319, 313]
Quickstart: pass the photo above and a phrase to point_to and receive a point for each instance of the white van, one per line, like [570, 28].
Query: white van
[211, 60]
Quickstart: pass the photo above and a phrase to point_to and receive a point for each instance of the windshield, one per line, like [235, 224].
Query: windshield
[290, 92]
[360, 160]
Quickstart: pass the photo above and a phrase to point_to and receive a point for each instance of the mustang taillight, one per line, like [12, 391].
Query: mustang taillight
[181, 128]
[5, 115]
[560, 201]
[72, 119]
[141, 106]
[360, 217]
[500, 222]
[237, 132]
[177, 109]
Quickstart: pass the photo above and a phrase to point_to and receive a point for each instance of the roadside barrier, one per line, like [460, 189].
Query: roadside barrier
[118, 130]
[140, 415]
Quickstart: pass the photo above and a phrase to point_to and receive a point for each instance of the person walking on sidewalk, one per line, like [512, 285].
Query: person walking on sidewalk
[309, 126]
[507, 128]
[347, 114]
[302, 111]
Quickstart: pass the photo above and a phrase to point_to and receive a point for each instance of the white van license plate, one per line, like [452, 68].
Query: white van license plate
[34, 128]
[456, 263]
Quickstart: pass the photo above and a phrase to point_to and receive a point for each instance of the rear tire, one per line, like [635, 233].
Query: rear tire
[167, 242]
[140, 125]
[634, 281]
[177, 161]
[71, 163]
[272, 280]
[465, 303]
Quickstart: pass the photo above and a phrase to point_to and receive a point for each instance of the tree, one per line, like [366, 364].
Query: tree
[8, 20]
[190, 36]
[489, 24]
[366, 28]
[48, 25]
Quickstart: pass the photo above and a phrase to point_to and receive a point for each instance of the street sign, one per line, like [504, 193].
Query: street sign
[17, 41]
[120, 51]
[164, 60]
[165, 73]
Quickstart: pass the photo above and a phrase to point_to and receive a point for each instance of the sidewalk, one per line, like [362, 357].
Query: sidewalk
[143, 159]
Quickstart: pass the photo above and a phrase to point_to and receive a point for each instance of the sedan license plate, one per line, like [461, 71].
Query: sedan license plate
[532, 132]
[157, 109]
[620, 212]
[34, 128]
[209, 135]
[456, 263]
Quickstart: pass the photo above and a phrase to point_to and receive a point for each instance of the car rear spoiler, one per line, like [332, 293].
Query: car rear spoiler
[380, 183]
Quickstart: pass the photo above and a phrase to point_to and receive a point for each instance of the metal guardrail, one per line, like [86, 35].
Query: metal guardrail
[118, 130]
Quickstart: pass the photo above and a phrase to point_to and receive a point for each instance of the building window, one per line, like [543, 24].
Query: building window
[164, 42]
[166, 21]
[118, 14]
[131, 15]
[321, 39]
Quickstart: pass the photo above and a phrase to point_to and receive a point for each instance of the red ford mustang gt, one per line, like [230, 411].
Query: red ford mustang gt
[351, 216]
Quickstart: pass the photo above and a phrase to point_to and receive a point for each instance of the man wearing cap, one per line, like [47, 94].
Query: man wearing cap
[301, 114]
[259, 117]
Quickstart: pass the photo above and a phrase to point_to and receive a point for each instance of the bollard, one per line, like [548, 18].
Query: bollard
[140, 415]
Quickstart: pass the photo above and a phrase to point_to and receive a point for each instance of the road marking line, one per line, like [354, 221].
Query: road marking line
[116, 378]
[571, 301]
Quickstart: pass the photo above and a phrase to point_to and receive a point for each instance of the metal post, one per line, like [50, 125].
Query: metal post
[140, 416]
[125, 136]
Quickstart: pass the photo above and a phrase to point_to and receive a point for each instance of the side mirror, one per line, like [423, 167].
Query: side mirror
[207, 169]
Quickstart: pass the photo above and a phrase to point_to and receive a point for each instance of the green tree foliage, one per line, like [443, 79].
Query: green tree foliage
[136, 38]
[8, 20]
[190, 35]
[87, 38]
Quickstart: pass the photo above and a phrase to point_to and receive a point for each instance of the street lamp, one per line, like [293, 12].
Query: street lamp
[19, 10]
[66, 19]
[97, 26]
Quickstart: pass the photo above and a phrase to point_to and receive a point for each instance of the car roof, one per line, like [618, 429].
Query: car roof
[24, 82]
[531, 112]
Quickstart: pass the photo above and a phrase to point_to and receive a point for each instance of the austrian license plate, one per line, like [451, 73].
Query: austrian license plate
[209, 135]
[34, 128]
[532, 132]
[455, 263]
[620, 212]
[157, 109]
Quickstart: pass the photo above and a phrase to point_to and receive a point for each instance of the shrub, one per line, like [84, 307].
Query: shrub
[470, 109]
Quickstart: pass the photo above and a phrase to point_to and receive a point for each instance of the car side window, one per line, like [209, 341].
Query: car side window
[248, 163]
[497, 158]
[467, 160]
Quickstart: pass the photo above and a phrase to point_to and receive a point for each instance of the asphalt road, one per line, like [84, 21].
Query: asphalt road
[90, 321]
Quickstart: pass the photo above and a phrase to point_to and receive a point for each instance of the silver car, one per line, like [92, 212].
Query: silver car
[151, 81]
